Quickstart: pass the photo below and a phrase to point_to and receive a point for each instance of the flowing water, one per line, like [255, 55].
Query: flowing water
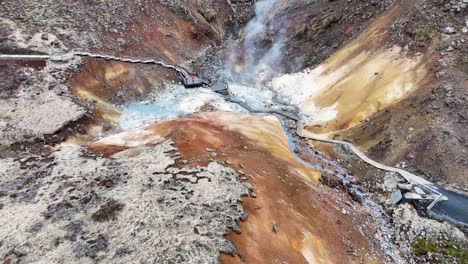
[246, 66]
[179, 102]
[374, 209]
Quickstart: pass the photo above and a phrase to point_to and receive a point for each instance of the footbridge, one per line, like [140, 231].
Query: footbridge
[189, 80]
[424, 190]
[445, 204]
[419, 188]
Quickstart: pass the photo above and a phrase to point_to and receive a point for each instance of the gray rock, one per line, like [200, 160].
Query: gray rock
[442, 63]
[410, 156]
[406, 187]
[442, 75]
[448, 30]
[396, 197]
[390, 182]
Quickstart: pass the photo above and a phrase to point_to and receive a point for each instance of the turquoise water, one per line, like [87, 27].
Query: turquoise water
[136, 115]
[171, 102]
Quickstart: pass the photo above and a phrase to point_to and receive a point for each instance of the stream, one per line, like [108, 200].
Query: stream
[373, 208]
[177, 101]
[256, 68]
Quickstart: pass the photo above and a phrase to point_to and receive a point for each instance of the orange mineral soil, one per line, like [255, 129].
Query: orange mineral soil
[365, 76]
[293, 218]
[158, 33]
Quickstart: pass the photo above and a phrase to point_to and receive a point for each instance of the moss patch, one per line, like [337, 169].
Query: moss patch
[422, 27]
[422, 247]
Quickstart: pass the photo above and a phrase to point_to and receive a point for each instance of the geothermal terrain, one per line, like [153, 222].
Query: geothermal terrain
[234, 131]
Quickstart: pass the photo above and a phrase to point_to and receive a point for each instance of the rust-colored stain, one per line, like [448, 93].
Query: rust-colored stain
[106, 79]
[107, 84]
[293, 219]
[365, 76]
[38, 65]
[158, 33]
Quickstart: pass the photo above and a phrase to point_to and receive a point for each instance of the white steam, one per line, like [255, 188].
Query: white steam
[244, 63]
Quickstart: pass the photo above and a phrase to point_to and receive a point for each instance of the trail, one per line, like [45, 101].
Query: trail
[373, 208]
[267, 111]
[450, 205]
[411, 178]
[445, 205]
[189, 80]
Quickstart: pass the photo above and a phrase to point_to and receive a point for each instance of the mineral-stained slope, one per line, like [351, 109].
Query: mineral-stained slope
[76, 186]
[290, 217]
[398, 90]
[176, 32]
[173, 29]
[170, 191]
[365, 76]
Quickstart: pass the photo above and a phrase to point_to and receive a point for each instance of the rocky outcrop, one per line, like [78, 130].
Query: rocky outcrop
[431, 241]
[132, 206]
[223, 186]
[310, 31]
[35, 116]
[170, 192]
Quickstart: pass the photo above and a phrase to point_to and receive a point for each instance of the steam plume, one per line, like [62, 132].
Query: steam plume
[244, 63]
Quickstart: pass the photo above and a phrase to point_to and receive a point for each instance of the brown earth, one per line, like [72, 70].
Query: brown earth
[166, 29]
[176, 32]
[315, 29]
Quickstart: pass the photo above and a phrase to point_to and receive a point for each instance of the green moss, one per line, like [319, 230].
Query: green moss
[460, 253]
[422, 28]
[422, 247]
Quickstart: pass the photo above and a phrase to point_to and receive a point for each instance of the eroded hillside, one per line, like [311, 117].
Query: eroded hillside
[108, 160]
